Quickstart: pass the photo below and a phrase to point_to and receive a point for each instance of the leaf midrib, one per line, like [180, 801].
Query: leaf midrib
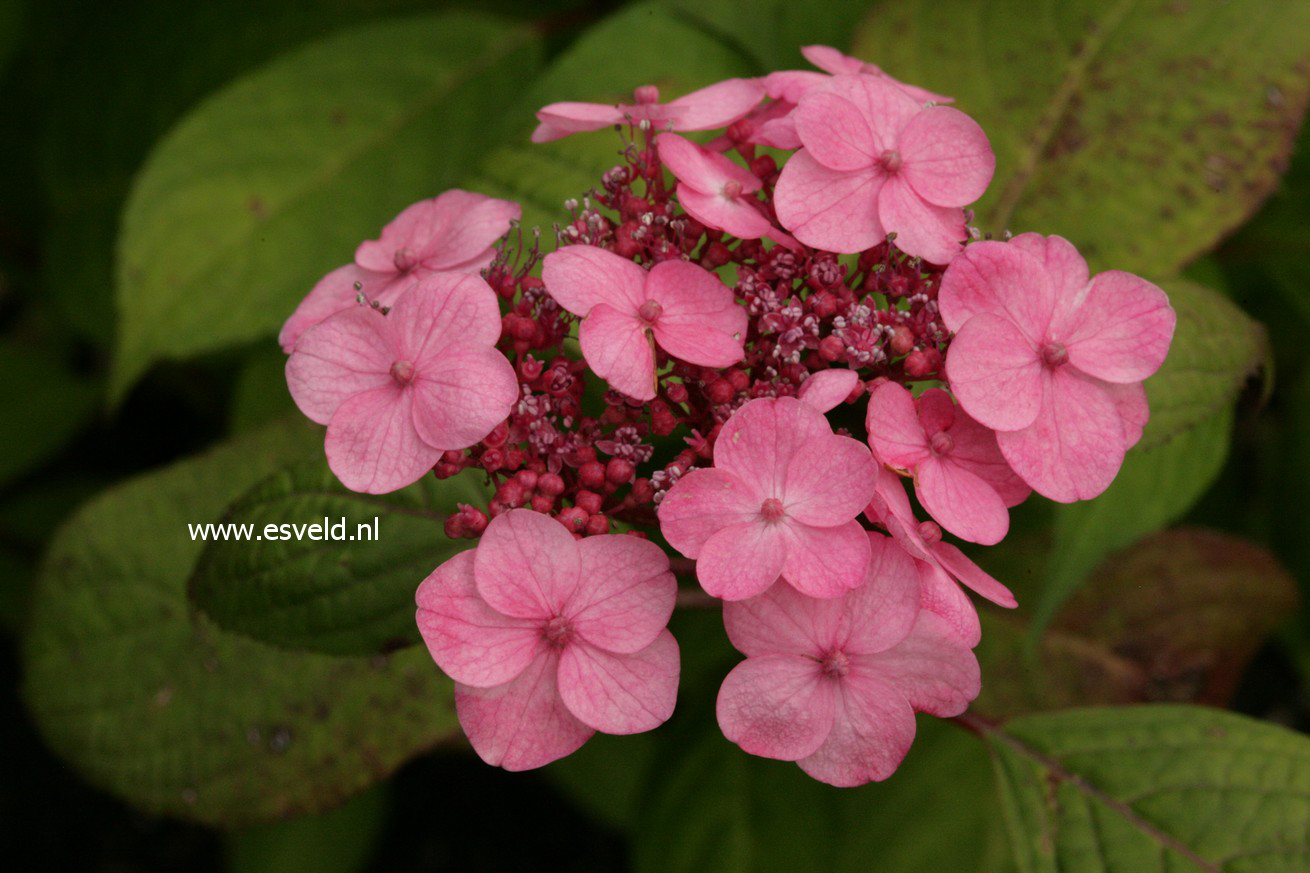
[1048, 124]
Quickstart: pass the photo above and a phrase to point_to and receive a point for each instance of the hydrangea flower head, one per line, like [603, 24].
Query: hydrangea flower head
[876, 161]
[718, 105]
[834, 684]
[960, 476]
[683, 308]
[550, 639]
[398, 390]
[781, 500]
[1053, 359]
[450, 233]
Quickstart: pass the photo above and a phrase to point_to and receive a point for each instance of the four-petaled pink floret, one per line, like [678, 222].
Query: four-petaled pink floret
[876, 161]
[834, 684]
[1053, 360]
[718, 105]
[550, 639]
[960, 476]
[450, 233]
[684, 309]
[781, 500]
[398, 390]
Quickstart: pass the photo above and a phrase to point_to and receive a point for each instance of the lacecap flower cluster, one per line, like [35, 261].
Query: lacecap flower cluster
[670, 371]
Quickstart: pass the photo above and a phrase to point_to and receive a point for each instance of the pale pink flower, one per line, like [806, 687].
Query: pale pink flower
[781, 499]
[834, 684]
[960, 476]
[876, 161]
[453, 232]
[718, 105]
[716, 192]
[398, 390]
[940, 564]
[1052, 359]
[682, 307]
[550, 639]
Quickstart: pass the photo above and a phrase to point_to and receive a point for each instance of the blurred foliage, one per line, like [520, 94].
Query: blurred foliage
[177, 176]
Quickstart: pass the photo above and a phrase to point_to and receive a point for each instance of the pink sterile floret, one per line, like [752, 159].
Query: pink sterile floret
[960, 476]
[687, 311]
[876, 161]
[940, 564]
[715, 191]
[398, 390]
[834, 684]
[450, 233]
[550, 639]
[781, 499]
[718, 105]
[1053, 360]
[827, 389]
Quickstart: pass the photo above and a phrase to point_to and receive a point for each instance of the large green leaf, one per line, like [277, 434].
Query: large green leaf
[1142, 130]
[157, 704]
[1168, 788]
[1176, 618]
[1216, 348]
[347, 596]
[642, 44]
[1154, 488]
[273, 181]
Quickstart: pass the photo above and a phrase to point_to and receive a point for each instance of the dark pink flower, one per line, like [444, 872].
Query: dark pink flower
[781, 499]
[683, 308]
[960, 476]
[718, 105]
[550, 639]
[834, 684]
[398, 390]
[715, 191]
[940, 564]
[450, 233]
[876, 161]
[1052, 359]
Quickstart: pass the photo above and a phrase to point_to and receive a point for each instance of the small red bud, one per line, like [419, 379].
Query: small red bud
[543, 503]
[550, 484]
[831, 348]
[643, 491]
[676, 392]
[764, 166]
[592, 474]
[492, 459]
[921, 363]
[740, 380]
[573, 518]
[720, 391]
[588, 501]
[902, 340]
[598, 524]
[620, 471]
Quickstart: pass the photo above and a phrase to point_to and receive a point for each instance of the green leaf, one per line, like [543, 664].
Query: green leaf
[1216, 349]
[1154, 488]
[156, 704]
[1142, 130]
[339, 840]
[42, 406]
[1175, 618]
[347, 596]
[1169, 788]
[641, 44]
[273, 181]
